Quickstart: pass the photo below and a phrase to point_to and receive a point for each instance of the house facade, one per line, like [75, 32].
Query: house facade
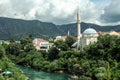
[41, 44]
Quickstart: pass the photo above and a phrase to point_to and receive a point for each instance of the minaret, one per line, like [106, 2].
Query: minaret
[78, 28]
[68, 33]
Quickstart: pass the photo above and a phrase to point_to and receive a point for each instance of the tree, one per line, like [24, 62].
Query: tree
[27, 44]
[108, 72]
[100, 73]
[13, 48]
[70, 40]
[53, 53]
[29, 47]
[25, 40]
[2, 52]
[61, 45]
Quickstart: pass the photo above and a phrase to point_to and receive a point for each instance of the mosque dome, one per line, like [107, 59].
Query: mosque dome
[90, 31]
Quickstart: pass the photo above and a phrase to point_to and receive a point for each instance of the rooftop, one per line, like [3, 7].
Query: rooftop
[90, 31]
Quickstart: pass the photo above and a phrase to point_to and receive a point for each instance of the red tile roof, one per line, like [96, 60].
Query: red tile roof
[41, 40]
[64, 37]
[101, 33]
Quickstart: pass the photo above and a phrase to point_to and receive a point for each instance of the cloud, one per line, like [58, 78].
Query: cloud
[64, 11]
[56, 11]
[111, 13]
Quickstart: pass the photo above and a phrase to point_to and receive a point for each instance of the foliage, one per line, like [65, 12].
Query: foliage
[60, 45]
[7, 65]
[2, 52]
[70, 40]
[97, 61]
[53, 53]
[13, 48]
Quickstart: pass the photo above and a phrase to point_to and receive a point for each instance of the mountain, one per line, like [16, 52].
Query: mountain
[73, 29]
[16, 28]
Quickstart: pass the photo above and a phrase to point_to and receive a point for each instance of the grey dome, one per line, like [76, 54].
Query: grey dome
[90, 31]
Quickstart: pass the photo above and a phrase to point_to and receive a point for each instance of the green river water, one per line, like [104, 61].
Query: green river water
[40, 75]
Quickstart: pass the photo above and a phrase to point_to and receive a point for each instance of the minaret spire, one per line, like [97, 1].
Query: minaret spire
[78, 24]
[78, 28]
[68, 33]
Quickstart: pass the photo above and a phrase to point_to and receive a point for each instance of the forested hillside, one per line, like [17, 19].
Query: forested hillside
[16, 28]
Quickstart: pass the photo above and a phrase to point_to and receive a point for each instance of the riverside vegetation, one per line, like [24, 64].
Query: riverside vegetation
[8, 71]
[97, 61]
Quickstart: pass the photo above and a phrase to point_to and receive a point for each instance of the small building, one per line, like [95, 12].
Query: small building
[114, 33]
[41, 44]
[110, 33]
[60, 38]
[89, 36]
[101, 33]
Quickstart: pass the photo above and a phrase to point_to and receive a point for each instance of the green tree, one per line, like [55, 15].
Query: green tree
[13, 48]
[61, 45]
[2, 52]
[108, 71]
[100, 73]
[53, 53]
[27, 44]
[70, 40]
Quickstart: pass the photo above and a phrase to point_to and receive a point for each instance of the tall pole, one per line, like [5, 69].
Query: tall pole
[68, 33]
[78, 29]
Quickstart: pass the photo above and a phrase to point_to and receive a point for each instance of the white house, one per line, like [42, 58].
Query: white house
[41, 44]
[60, 38]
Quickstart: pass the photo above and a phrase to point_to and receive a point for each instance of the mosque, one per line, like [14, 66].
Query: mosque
[89, 36]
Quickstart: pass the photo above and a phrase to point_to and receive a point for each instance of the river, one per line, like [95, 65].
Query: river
[40, 75]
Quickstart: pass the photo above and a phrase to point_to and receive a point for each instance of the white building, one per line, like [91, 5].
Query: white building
[41, 44]
[60, 38]
[89, 36]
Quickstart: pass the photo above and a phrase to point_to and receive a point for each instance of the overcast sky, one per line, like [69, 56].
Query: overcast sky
[103, 12]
